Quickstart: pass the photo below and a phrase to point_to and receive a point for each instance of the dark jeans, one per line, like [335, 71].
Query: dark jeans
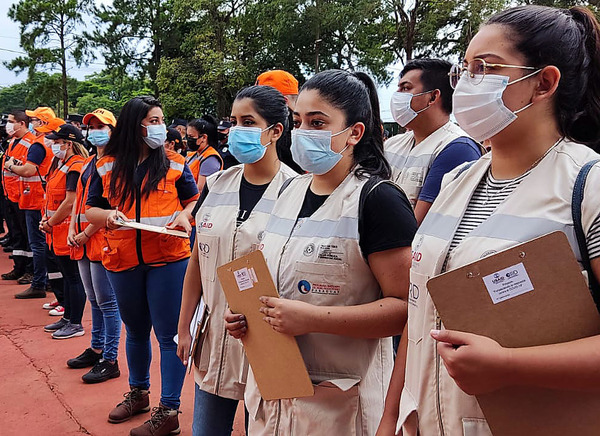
[22, 256]
[37, 242]
[150, 297]
[214, 415]
[74, 293]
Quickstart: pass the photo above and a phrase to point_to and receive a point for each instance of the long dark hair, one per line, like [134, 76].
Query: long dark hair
[569, 39]
[207, 125]
[124, 146]
[355, 94]
[272, 107]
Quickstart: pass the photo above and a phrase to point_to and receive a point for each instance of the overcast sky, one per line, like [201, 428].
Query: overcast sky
[10, 49]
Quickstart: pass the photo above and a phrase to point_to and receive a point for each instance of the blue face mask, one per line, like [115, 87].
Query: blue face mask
[311, 149]
[156, 135]
[31, 129]
[244, 144]
[98, 138]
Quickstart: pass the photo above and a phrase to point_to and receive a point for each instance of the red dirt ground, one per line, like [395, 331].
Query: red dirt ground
[41, 396]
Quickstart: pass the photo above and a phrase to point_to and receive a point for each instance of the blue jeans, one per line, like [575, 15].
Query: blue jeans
[106, 321]
[37, 243]
[74, 294]
[150, 297]
[213, 415]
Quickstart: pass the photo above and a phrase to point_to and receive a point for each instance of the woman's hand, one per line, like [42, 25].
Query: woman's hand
[183, 221]
[235, 323]
[81, 239]
[71, 242]
[387, 427]
[287, 316]
[184, 343]
[45, 227]
[477, 364]
[114, 218]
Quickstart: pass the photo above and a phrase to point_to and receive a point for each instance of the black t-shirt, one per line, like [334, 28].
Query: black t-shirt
[249, 196]
[388, 219]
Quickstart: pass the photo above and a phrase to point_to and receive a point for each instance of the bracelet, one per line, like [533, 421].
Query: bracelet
[86, 235]
[48, 222]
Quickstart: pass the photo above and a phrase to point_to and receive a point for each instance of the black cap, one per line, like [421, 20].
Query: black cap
[178, 122]
[75, 118]
[224, 125]
[173, 135]
[67, 131]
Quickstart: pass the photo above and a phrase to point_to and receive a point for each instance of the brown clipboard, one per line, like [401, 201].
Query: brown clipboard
[275, 358]
[560, 308]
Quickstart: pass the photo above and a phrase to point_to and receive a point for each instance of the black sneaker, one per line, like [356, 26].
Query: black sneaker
[55, 326]
[102, 371]
[86, 359]
[12, 275]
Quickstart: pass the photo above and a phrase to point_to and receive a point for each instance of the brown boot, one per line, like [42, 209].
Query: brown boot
[31, 292]
[164, 421]
[136, 401]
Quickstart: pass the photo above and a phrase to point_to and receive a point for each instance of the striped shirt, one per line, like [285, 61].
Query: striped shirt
[488, 195]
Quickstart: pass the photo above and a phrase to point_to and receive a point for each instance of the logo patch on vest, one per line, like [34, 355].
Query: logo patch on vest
[416, 253]
[309, 249]
[306, 287]
[206, 224]
[330, 252]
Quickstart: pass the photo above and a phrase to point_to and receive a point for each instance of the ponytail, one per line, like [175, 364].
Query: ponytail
[355, 95]
[568, 39]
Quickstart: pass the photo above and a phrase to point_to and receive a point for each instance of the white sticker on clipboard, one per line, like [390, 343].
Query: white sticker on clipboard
[243, 279]
[508, 283]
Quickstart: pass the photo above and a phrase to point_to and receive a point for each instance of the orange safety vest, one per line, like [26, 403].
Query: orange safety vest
[194, 160]
[56, 192]
[94, 246]
[18, 150]
[127, 248]
[31, 189]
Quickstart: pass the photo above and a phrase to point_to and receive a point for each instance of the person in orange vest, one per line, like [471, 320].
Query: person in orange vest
[61, 190]
[32, 179]
[15, 156]
[203, 157]
[138, 180]
[173, 141]
[87, 241]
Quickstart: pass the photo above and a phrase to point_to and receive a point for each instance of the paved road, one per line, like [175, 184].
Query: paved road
[41, 396]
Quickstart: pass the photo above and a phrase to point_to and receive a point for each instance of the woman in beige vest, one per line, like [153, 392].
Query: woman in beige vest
[341, 271]
[530, 83]
[235, 206]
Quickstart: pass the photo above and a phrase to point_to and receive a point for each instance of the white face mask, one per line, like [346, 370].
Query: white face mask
[400, 107]
[10, 129]
[56, 151]
[479, 109]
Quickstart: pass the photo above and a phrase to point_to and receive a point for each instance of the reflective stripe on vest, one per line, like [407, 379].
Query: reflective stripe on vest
[410, 164]
[540, 204]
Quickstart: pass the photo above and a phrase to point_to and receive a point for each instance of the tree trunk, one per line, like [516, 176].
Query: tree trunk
[65, 92]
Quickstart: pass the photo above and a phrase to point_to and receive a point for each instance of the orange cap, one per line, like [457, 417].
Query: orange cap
[42, 113]
[281, 80]
[52, 125]
[105, 117]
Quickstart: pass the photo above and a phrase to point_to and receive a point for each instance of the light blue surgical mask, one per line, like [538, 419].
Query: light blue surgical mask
[156, 135]
[311, 149]
[98, 138]
[244, 143]
[31, 129]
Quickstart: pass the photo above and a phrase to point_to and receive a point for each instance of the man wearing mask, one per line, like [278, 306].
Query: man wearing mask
[433, 145]
[223, 147]
[14, 158]
[32, 179]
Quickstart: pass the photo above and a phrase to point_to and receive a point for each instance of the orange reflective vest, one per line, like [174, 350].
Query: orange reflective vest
[31, 189]
[17, 149]
[194, 160]
[127, 248]
[56, 192]
[96, 243]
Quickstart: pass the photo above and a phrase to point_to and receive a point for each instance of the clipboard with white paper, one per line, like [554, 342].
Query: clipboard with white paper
[151, 228]
[531, 294]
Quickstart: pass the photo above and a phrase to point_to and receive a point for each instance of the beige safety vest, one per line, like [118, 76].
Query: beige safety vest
[410, 164]
[223, 368]
[540, 204]
[318, 260]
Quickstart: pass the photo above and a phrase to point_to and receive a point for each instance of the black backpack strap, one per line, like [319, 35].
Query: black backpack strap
[577, 200]
[284, 186]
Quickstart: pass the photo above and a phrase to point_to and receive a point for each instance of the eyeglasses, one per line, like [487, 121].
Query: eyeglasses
[476, 71]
